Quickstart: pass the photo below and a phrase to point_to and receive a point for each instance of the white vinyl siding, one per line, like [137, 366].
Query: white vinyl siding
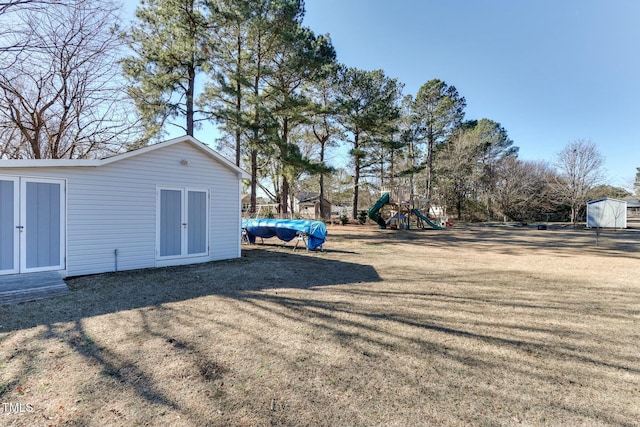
[113, 207]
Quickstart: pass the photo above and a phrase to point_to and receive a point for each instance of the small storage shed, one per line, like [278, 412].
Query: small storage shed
[607, 213]
[307, 205]
[172, 203]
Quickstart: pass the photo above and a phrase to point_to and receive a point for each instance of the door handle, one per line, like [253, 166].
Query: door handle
[20, 227]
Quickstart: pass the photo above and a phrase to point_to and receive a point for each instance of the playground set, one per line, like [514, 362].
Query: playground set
[396, 207]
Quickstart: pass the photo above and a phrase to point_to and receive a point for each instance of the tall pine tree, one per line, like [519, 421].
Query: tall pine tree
[170, 44]
[439, 109]
[368, 103]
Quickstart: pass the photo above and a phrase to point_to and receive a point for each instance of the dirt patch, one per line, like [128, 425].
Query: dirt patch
[491, 325]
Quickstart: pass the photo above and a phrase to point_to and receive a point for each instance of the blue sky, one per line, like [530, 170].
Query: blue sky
[550, 71]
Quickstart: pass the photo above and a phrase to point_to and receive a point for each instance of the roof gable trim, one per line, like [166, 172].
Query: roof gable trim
[26, 163]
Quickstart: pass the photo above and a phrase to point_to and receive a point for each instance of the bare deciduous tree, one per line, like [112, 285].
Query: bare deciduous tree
[60, 91]
[11, 5]
[456, 171]
[522, 190]
[10, 25]
[579, 166]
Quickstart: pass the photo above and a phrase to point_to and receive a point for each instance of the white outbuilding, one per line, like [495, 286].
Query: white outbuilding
[172, 203]
[607, 213]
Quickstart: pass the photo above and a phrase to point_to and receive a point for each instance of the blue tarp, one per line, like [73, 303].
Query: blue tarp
[286, 229]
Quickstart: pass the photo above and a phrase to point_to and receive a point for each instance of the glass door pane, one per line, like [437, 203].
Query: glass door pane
[8, 221]
[197, 222]
[170, 222]
[42, 225]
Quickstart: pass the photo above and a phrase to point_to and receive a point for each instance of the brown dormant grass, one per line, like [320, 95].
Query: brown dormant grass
[472, 326]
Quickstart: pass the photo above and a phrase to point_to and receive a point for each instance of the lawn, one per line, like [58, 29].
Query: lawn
[471, 326]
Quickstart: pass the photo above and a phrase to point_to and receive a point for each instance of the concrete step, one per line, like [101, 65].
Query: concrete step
[16, 288]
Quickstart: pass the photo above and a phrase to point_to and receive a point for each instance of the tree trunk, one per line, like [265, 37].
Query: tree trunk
[189, 100]
[256, 132]
[238, 101]
[356, 176]
[323, 208]
[284, 188]
[238, 146]
[254, 181]
[284, 198]
[321, 196]
[430, 143]
[191, 84]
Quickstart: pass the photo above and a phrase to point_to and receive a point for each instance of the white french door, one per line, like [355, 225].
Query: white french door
[9, 221]
[32, 225]
[182, 222]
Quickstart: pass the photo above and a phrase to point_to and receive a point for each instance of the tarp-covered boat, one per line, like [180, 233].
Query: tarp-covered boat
[315, 232]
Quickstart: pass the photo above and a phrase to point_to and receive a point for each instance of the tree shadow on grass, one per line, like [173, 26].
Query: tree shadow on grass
[514, 240]
[256, 270]
[368, 330]
[61, 319]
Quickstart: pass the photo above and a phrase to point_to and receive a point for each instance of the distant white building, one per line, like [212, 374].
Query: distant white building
[607, 213]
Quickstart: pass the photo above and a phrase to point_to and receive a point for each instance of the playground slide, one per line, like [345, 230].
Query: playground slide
[426, 219]
[374, 211]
